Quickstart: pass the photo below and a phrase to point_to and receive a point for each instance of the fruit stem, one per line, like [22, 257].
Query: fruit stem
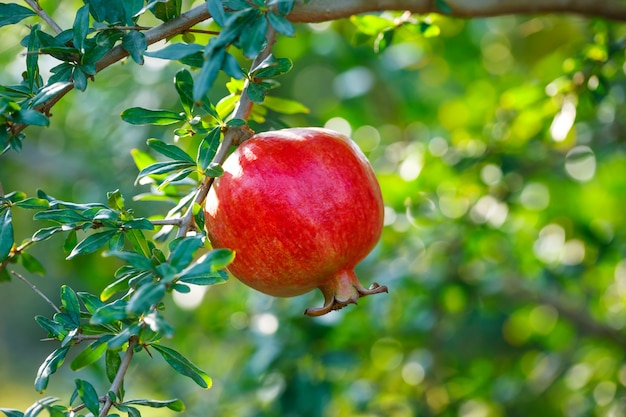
[343, 289]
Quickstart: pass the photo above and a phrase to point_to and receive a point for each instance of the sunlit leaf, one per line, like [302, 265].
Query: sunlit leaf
[171, 151]
[89, 355]
[184, 366]
[175, 405]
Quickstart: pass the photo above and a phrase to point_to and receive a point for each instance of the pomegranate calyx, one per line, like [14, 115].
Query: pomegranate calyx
[344, 289]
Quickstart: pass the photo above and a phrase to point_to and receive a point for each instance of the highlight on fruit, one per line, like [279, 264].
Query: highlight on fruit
[300, 207]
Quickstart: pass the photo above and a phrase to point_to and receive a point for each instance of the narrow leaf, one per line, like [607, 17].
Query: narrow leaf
[208, 148]
[63, 216]
[31, 264]
[70, 305]
[134, 259]
[6, 234]
[141, 116]
[171, 151]
[33, 203]
[92, 243]
[10, 412]
[175, 404]
[50, 366]
[216, 9]
[176, 51]
[184, 87]
[81, 27]
[184, 366]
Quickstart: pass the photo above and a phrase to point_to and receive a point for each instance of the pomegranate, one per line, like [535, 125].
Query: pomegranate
[300, 207]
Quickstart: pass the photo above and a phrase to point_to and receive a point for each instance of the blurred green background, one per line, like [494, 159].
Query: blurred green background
[499, 145]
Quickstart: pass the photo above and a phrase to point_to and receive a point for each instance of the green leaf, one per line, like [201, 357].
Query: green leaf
[49, 366]
[63, 216]
[13, 13]
[253, 38]
[115, 200]
[214, 170]
[171, 151]
[134, 259]
[167, 10]
[208, 73]
[131, 411]
[284, 105]
[256, 92]
[110, 313]
[164, 168]
[54, 328]
[90, 301]
[79, 78]
[371, 25]
[88, 395]
[90, 355]
[216, 9]
[45, 233]
[183, 81]
[143, 224]
[281, 24]
[184, 366]
[112, 364]
[70, 305]
[31, 117]
[6, 234]
[231, 67]
[182, 250]
[272, 67]
[207, 266]
[80, 29]
[92, 243]
[31, 264]
[209, 278]
[176, 51]
[146, 297]
[175, 404]
[70, 241]
[33, 203]
[138, 241]
[39, 406]
[208, 148]
[123, 336]
[135, 43]
[141, 116]
[10, 412]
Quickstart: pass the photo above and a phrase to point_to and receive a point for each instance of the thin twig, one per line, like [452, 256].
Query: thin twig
[34, 4]
[231, 137]
[37, 291]
[167, 222]
[119, 376]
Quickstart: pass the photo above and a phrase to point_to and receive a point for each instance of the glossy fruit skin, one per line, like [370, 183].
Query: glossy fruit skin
[300, 207]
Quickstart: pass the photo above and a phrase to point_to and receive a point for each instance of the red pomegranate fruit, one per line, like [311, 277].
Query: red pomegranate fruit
[300, 207]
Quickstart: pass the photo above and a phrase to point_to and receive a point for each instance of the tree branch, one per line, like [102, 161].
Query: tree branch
[324, 10]
[37, 291]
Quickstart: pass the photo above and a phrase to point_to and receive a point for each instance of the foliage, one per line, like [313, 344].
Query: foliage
[499, 147]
